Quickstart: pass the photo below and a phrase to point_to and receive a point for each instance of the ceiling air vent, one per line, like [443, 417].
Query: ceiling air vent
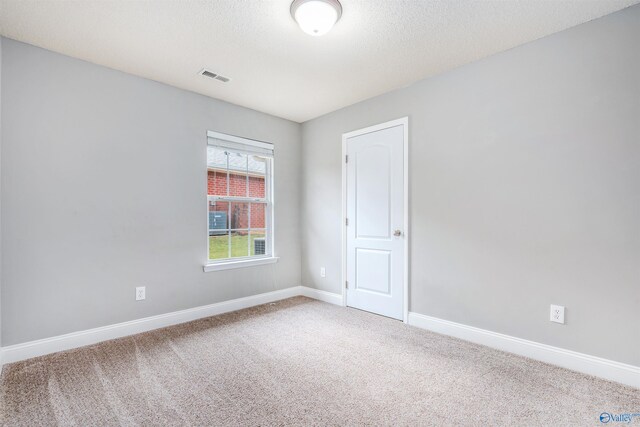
[212, 75]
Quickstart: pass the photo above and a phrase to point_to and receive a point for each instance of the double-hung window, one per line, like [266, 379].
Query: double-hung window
[239, 202]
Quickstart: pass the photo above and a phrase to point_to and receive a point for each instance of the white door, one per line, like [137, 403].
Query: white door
[375, 219]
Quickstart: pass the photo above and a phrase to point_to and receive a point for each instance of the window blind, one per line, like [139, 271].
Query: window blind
[241, 145]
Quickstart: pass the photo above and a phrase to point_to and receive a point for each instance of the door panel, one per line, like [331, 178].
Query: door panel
[375, 210]
[373, 269]
[372, 178]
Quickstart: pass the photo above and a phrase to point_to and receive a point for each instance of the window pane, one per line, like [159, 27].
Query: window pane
[257, 175]
[239, 215]
[219, 246]
[238, 174]
[238, 226]
[218, 217]
[258, 242]
[216, 172]
[239, 243]
[258, 217]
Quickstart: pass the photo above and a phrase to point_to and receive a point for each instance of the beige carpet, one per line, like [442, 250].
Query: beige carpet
[300, 362]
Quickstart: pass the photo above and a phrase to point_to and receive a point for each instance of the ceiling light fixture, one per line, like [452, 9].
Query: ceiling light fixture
[316, 17]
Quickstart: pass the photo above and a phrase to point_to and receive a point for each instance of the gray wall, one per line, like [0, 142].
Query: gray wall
[103, 189]
[525, 174]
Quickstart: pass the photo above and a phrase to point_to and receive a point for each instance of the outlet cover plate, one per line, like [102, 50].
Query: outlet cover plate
[557, 314]
[323, 272]
[141, 293]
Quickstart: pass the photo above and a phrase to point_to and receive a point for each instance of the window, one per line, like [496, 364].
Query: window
[239, 202]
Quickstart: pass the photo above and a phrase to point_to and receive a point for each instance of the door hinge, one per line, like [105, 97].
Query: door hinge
[346, 158]
[346, 221]
[346, 284]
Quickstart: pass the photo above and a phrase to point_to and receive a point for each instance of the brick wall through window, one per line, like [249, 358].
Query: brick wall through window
[239, 218]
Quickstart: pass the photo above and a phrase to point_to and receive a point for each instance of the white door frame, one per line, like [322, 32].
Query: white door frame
[405, 122]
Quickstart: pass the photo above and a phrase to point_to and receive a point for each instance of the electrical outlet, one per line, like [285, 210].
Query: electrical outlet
[140, 293]
[323, 272]
[557, 313]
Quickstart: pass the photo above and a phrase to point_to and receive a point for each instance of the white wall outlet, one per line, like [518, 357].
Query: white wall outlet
[323, 272]
[557, 313]
[141, 293]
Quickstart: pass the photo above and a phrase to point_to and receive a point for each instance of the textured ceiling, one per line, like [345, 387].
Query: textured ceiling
[377, 46]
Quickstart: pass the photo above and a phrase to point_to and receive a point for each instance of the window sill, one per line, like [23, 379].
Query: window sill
[228, 265]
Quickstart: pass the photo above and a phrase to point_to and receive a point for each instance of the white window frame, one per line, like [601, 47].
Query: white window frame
[249, 146]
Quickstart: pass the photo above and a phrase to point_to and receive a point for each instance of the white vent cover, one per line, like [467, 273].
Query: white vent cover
[212, 75]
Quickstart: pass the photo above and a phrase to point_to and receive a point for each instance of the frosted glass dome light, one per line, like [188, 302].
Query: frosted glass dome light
[316, 17]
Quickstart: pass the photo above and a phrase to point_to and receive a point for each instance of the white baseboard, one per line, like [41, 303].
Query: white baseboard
[41, 347]
[325, 296]
[15, 353]
[596, 366]
[591, 365]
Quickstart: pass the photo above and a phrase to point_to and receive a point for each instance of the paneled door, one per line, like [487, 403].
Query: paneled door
[375, 222]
